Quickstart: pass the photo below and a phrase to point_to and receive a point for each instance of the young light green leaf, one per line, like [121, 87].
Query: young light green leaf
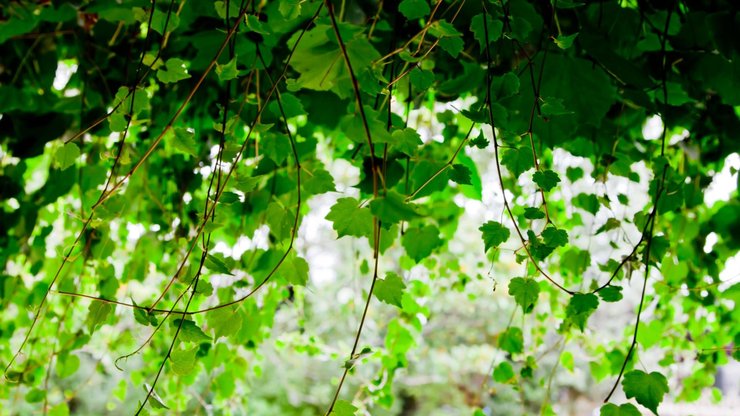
[155, 401]
[217, 263]
[294, 270]
[183, 361]
[565, 41]
[98, 313]
[66, 156]
[343, 408]
[224, 322]
[525, 292]
[190, 332]
[390, 289]
[647, 389]
[494, 234]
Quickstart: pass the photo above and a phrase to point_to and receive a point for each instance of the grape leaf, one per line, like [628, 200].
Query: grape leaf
[414, 9]
[349, 219]
[647, 389]
[392, 208]
[390, 289]
[525, 292]
[580, 307]
[420, 242]
[626, 409]
[512, 340]
[494, 234]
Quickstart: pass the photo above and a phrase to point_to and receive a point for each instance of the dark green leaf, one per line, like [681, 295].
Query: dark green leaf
[494, 234]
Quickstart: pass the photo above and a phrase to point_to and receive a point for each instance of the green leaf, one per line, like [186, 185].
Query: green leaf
[505, 86]
[183, 361]
[318, 182]
[155, 401]
[420, 242]
[452, 45]
[174, 71]
[349, 219]
[414, 9]
[406, 140]
[294, 270]
[421, 79]
[144, 317]
[98, 313]
[460, 174]
[533, 213]
[217, 263]
[517, 160]
[224, 322]
[626, 409]
[159, 19]
[190, 332]
[494, 234]
[66, 156]
[227, 71]
[546, 180]
[392, 208]
[495, 29]
[390, 289]
[182, 140]
[480, 142]
[580, 307]
[290, 9]
[611, 294]
[512, 340]
[525, 292]
[503, 373]
[565, 41]
[647, 389]
[554, 237]
[343, 408]
[319, 60]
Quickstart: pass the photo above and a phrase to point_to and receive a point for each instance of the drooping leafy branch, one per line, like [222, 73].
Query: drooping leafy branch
[185, 178]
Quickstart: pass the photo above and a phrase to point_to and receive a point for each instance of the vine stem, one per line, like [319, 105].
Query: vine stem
[87, 222]
[658, 190]
[376, 221]
[498, 168]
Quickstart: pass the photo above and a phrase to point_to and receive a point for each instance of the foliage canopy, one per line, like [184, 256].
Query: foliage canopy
[188, 126]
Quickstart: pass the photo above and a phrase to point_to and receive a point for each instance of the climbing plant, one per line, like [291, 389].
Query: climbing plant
[142, 142]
